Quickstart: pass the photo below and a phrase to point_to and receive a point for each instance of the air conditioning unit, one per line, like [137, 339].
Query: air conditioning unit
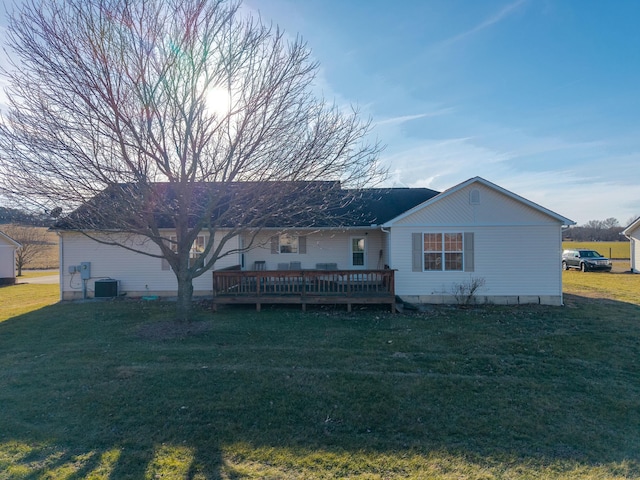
[106, 288]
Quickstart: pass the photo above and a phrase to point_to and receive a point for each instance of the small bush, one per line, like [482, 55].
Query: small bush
[465, 292]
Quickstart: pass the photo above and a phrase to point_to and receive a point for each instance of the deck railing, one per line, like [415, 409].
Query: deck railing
[304, 286]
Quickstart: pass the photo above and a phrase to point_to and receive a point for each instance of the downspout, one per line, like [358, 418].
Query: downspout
[560, 271]
[60, 262]
[388, 244]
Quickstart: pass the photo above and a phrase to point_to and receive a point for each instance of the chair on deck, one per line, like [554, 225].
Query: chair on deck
[260, 265]
[295, 265]
[326, 266]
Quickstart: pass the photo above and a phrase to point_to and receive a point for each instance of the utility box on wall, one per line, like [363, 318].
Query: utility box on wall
[106, 288]
[85, 270]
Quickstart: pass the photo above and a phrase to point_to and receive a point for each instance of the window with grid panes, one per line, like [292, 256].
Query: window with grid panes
[288, 243]
[443, 251]
[197, 247]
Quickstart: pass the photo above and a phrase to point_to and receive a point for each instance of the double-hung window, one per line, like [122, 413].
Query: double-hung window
[197, 247]
[288, 243]
[443, 251]
[358, 252]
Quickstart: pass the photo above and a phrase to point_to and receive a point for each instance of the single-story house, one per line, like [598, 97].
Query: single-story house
[475, 232]
[8, 247]
[632, 232]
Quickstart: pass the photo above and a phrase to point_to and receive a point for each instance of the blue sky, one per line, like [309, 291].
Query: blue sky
[541, 97]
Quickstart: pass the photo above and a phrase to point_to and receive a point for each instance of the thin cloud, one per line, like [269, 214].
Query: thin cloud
[492, 20]
[408, 118]
[440, 164]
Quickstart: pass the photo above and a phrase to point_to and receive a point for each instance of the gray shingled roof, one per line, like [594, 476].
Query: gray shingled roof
[318, 205]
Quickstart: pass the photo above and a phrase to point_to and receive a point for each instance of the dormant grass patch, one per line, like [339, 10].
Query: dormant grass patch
[112, 389]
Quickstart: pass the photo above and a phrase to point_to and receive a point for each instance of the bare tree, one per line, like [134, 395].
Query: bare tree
[611, 222]
[33, 240]
[109, 97]
[607, 230]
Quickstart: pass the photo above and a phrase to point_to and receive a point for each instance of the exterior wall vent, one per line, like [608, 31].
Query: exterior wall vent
[474, 197]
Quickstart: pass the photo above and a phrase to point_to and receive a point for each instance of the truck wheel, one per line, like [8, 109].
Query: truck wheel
[565, 266]
[583, 267]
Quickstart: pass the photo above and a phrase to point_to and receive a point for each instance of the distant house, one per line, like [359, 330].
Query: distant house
[433, 242]
[8, 247]
[632, 232]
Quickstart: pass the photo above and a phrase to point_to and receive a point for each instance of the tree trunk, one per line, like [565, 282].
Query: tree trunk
[185, 296]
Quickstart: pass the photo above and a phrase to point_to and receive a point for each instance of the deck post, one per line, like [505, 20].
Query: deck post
[258, 283]
[304, 288]
[214, 305]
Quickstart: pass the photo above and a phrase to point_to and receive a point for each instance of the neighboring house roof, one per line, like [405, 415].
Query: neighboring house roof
[634, 225]
[488, 184]
[8, 240]
[326, 205]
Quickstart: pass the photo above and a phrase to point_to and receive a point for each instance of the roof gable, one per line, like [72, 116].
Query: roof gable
[7, 240]
[457, 204]
[635, 225]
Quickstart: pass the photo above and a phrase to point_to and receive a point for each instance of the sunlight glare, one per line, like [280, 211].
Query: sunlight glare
[218, 101]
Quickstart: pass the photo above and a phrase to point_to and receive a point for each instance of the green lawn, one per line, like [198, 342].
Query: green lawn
[624, 287]
[114, 390]
[23, 298]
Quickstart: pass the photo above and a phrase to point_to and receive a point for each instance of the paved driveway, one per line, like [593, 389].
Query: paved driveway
[44, 280]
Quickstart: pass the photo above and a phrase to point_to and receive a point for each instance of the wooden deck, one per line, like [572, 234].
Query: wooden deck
[304, 287]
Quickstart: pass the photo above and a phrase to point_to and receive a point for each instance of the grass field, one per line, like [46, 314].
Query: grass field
[608, 249]
[48, 257]
[115, 390]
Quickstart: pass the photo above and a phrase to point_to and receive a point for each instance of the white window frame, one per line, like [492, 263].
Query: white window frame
[442, 252]
[364, 251]
[291, 244]
[197, 247]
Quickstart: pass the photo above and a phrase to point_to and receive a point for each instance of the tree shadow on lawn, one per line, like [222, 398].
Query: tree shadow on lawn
[89, 390]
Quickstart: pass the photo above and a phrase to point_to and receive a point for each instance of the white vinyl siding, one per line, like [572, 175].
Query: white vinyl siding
[324, 246]
[499, 257]
[138, 274]
[494, 209]
[634, 250]
[514, 248]
[7, 261]
[143, 275]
